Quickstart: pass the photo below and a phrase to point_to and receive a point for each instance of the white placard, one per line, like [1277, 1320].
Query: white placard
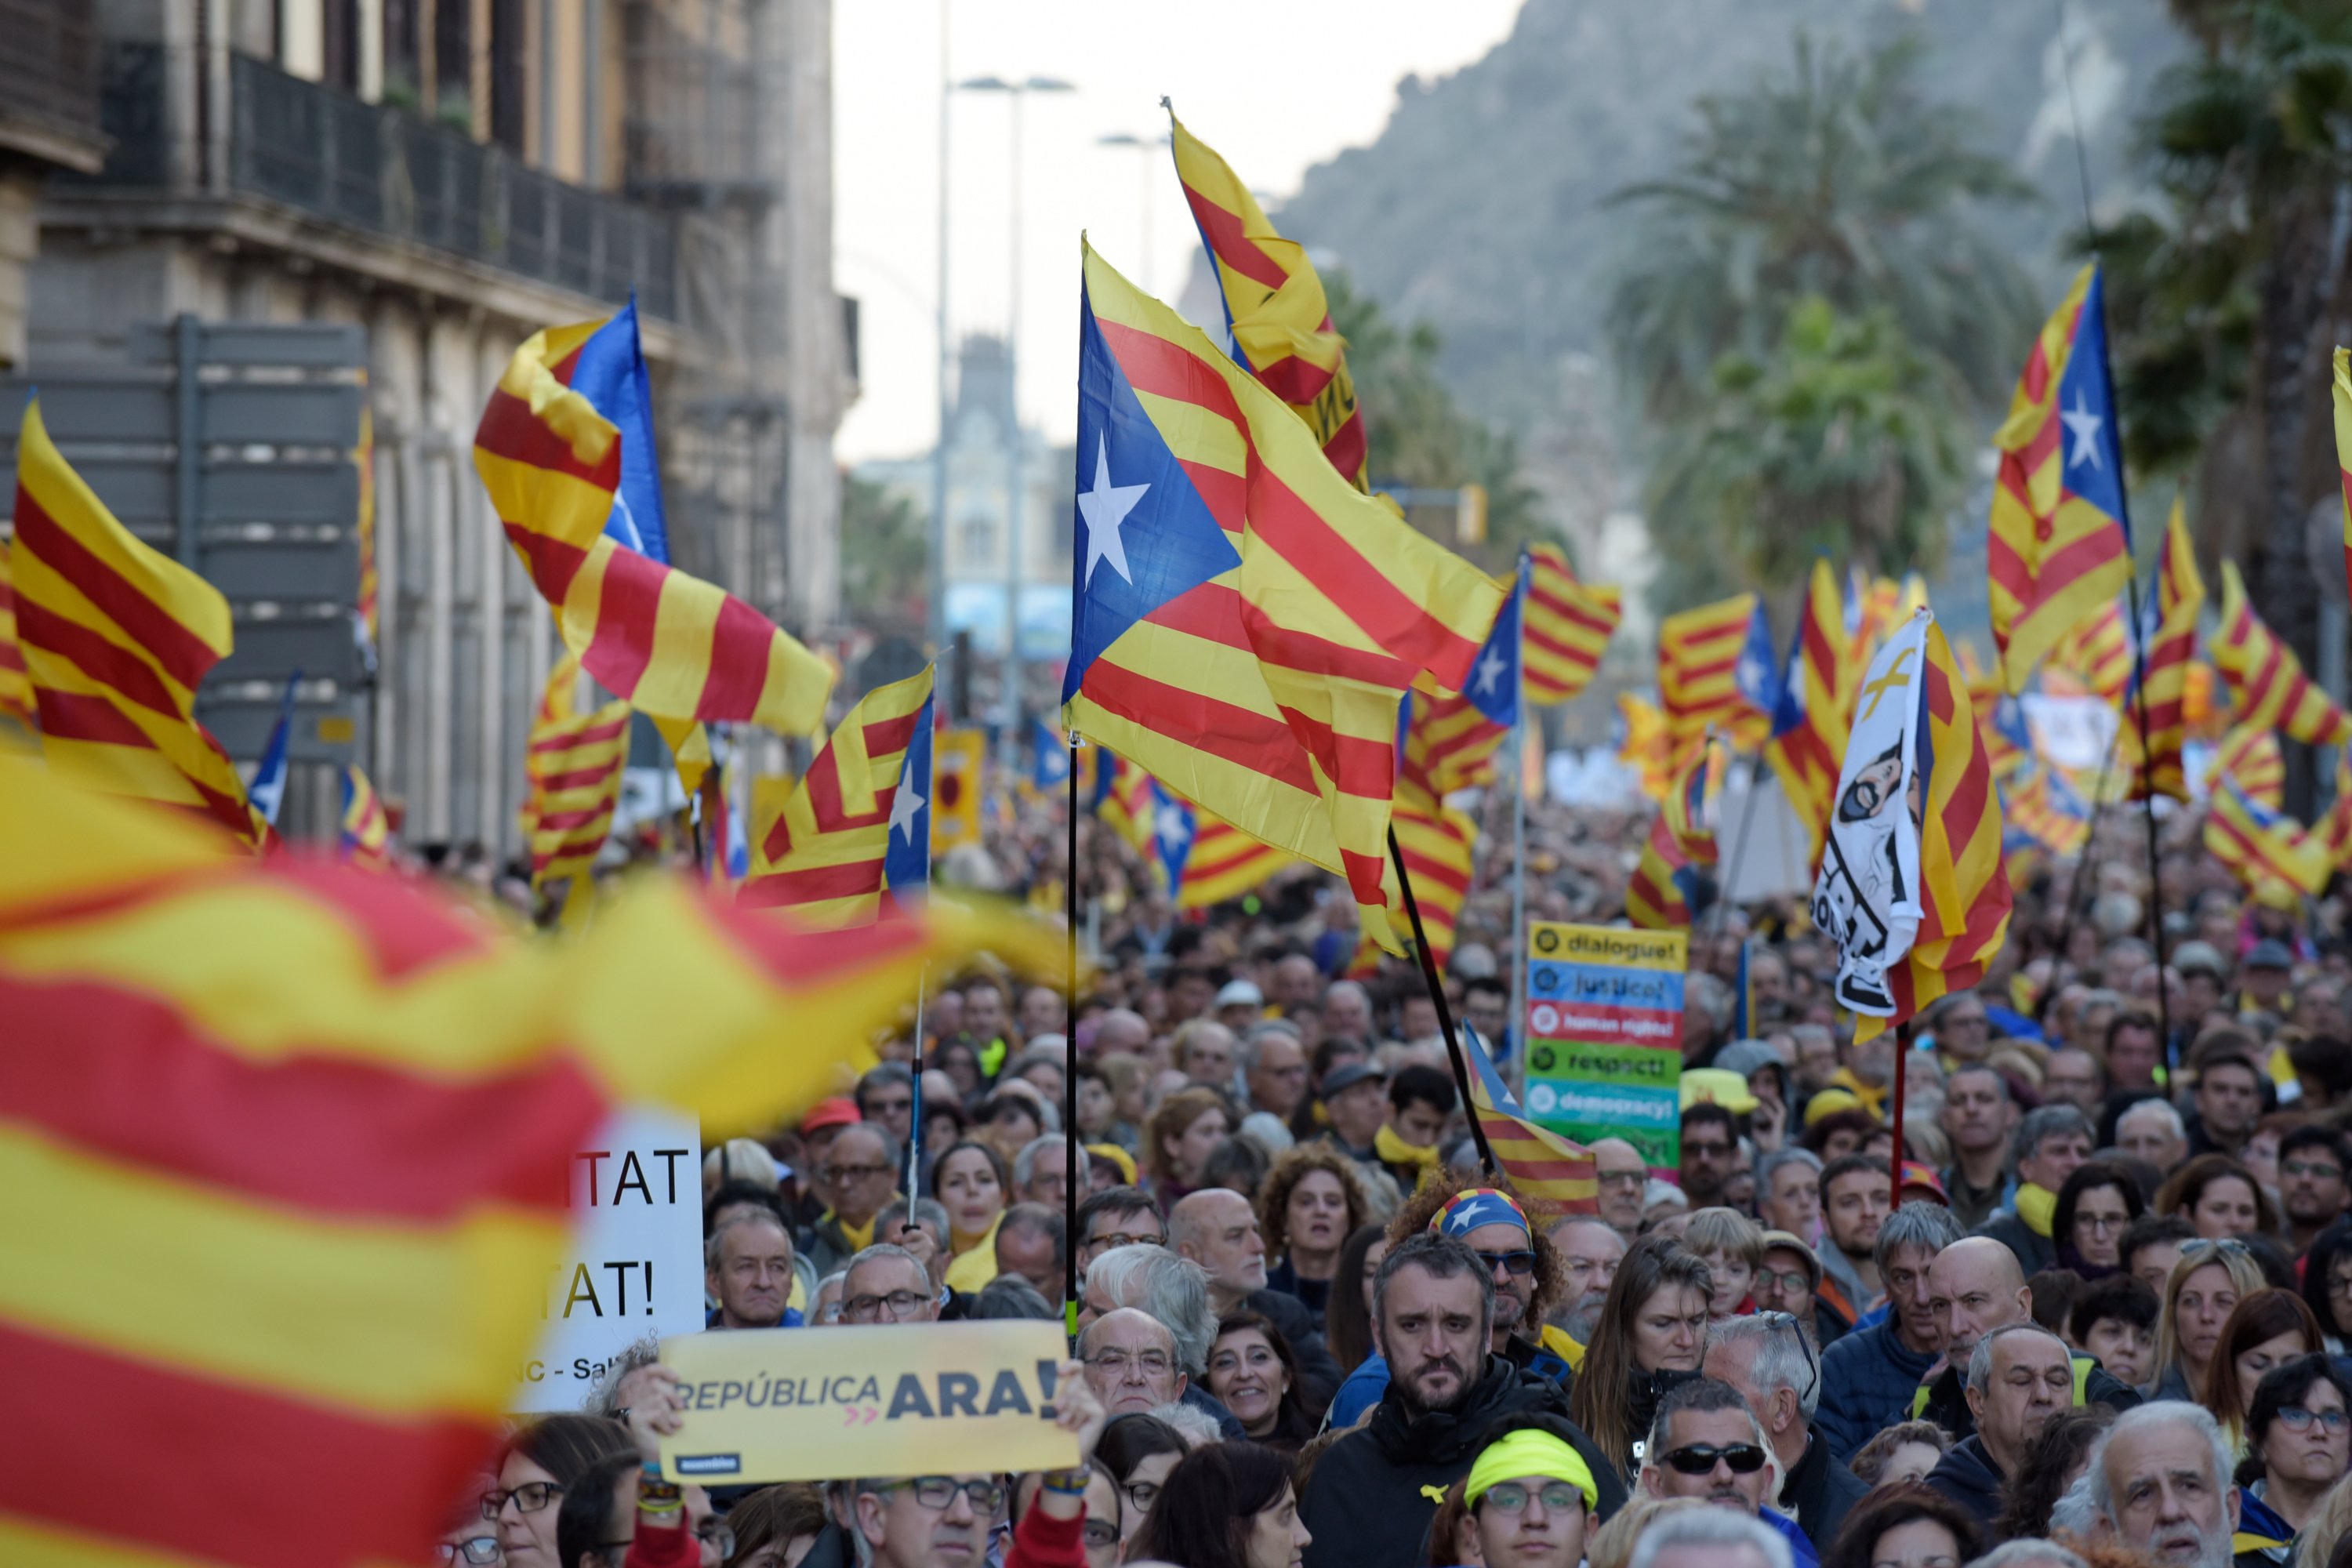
[2076, 732]
[635, 1269]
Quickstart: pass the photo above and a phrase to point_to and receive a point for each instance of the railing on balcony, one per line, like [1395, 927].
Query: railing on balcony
[323, 152]
[48, 64]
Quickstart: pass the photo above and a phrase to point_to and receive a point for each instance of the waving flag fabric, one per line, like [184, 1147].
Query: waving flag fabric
[1125, 802]
[268, 791]
[1808, 744]
[1568, 623]
[2335, 829]
[115, 638]
[1916, 908]
[1547, 1168]
[2047, 809]
[672, 647]
[854, 835]
[2342, 400]
[1715, 668]
[337, 1114]
[2267, 686]
[1641, 743]
[1049, 759]
[1681, 840]
[1245, 622]
[1206, 861]
[572, 773]
[16, 687]
[2253, 759]
[1451, 740]
[2094, 655]
[1277, 318]
[2170, 654]
[2261, 844]
[2061, 539]
[363, 836]
[610, 373]
[1440, 849]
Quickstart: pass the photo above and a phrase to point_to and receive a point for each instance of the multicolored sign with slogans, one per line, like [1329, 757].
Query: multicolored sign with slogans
[1604, 1033]
[809, 1404]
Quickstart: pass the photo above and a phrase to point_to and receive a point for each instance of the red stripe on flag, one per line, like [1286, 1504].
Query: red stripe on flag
[1205, 723]
[404, 928]
[588, 735]
[1355, 766]
[797, 955]
[812, 884]
[1231, 245]
[511, 430]
[1348, 448]
[1287, 647]
[98, 657]
[1169, 369]
[1296, 381]
[184, 655]
[579, 778]
[627, 609]
[73, 716]
[738, 671]
[551, 563]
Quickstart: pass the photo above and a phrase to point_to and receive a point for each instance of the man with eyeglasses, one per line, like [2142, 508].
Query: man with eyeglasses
[1705, 1443]
[1590, 1251]
[886, 1096]
[1117, 1217]
[2312, 1189]
[1776, 1368]
[1531, 1497]
[1131, 1361]
[1623, 1174]
[886, 1284]
[2020, 1377]
[858, 1172]
[748, 1266]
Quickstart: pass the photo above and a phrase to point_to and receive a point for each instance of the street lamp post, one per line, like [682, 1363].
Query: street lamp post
[1149, 147]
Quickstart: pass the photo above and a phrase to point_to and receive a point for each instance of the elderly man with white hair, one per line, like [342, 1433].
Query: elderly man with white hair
[1172, 1291]
[1709, 1538]
[2152, 1131]
[1770, 1360]
[2160, 1478]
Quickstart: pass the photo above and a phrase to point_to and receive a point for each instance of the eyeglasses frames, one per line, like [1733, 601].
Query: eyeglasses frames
[1699, 1458]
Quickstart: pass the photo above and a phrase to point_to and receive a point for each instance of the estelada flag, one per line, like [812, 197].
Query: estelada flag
[1715, 670]
[1807, 748]
[1661, 892]
[854, 836]
[2268, 689]
[2253, 759]
[1911, 887]
[2169, 654]
[2262, 847]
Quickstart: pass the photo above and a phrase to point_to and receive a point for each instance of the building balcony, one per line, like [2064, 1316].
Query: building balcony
[374, 173]
[48, 83]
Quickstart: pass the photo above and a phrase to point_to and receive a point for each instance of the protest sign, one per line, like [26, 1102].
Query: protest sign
[634, 1270]
[1605, 1032]
[805, 1404]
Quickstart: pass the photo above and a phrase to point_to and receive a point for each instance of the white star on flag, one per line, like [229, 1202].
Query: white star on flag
[1171, 827]
[906, 805]
[1105, 508]
[2085, 426]
[1490, 669]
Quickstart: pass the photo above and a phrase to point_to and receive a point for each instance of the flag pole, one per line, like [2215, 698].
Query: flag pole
[1070, 1192]
[2147, 805]
[1437, 998]
[915, 1123]
[1894, 1166]
[1518, 957]
[1740, 844]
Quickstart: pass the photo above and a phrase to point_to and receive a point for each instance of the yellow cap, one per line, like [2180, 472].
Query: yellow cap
[1718, 1085]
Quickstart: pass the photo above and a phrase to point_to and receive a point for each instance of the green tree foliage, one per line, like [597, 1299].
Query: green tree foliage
[885, 551]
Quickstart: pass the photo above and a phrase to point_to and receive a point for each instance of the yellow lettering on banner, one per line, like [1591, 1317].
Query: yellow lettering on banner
[1660, 950]
[807, 1404]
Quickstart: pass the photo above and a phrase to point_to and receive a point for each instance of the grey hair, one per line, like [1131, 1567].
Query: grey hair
[1985, 1069]
[875, 1253]
[2074, 1513]
[2038, 1126]
[1701, 1393]
[1252, 1045]
[1196, 1426]
[605, 1399]
[1981, 1359]
[1715, 1527]
[2103, 1493]
[1780, 1160]
[1713, 995]
[892, 1156]
[1024, 1164]
[2016, 1553]
[1921, 1224]
[1780, 1361]
[2163, 1107]
[922, 1211]
[762, 1215]
[1353, 987]
[1171, 1289]
[884, 1075]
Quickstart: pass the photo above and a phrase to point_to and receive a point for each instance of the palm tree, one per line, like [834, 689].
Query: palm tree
[1839, 180]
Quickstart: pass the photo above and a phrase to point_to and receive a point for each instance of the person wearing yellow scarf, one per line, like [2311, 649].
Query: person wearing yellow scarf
[2050, 1145]
[1420, 1100]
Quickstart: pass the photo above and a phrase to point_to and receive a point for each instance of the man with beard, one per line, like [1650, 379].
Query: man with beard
[1589, 1250]
[1372, 1495]
[1853, 1190]
[2311, 1163]
[2160, 1475]
[1706, 1444]
[2020, 1377]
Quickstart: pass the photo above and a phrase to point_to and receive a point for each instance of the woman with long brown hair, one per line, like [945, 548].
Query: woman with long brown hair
[2207, 1282]
[2266, 1328]
[1651, 1334]
[1181, 1137]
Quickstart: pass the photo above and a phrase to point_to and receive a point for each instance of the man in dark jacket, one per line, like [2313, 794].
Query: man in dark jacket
[1869, 1376]
[1973, 1288]
[1775, 1368]
[1218, 1230]
[1374, 1492]
[2019, 1378]
[2048, 1145]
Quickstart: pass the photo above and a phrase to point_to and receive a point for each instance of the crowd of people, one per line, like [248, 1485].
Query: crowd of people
[2086, 1305]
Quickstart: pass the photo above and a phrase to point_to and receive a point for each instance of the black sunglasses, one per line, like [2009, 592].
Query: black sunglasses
[1699, 1458]
[1520, 1262]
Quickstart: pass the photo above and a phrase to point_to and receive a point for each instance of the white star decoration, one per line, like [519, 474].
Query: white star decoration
[1170, 828]
[1490, 669]
[1105, 508]
[2085, 426]
[906, 805]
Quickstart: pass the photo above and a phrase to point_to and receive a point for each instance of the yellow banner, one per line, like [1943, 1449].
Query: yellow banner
[958, 759]
[1662, 949]
[809, 1404]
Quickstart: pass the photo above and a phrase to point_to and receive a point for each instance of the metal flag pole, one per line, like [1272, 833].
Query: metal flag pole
[1070, 1045]
[1437, 998]
[915, 1121]
[1518, 956]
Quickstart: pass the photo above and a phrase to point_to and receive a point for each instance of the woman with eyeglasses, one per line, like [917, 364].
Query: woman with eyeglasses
[1527, 1502]
[1651, 1335]
[1254, 1374]
[1228, 1505]
[2094, 1206]
[2266, 1328]
[2298, 1446]
[468, 1538]
[540, 1463]
[1138, 1451]
[1904, 1526]
[2208, 1281]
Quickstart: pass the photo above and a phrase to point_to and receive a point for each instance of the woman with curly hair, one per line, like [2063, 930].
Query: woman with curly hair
[1651, 1335]
[1906, 1523]
[2220, 1197]
[1312, 1202]
[2056, 1458]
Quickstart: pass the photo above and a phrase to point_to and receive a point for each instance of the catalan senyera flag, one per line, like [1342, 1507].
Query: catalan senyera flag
[337, 1112]
[2170, 656]
[1567, 624]
[672, 647]
[2061, 537]
[2267, 686]
[1808, 744]
[1125, 801]
[16, 686]
[1277, 318]
[573, 765]
[2041, 805]
[2094, 655]
[1715, 670]
[1680, 838]
[1547, 1168]
[116, 638]
[363, 832]
[1440, 847]
[1245, 622]
[2253, 759]
[1641, 743]
[853, 837]
[2260, 844]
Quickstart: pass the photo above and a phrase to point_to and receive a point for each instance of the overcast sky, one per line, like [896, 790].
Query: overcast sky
[1275, 85]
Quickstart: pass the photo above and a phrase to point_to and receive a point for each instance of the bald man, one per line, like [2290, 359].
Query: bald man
[1974, 1286]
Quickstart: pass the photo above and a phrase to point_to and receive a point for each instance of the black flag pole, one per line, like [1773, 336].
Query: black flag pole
[1437, 998]
[1071, 1191]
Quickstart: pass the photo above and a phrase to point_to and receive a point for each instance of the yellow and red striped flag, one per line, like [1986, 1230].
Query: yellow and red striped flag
[2341, 399]
[1641, 745]
[2335, 830]
[1440, 847]
[825, 855]
[1680, 838]
[1247, 623]
[573, 773]
[1808, 753]
[1125, 803]
[1224, 863]
[16, 686]
[2058, 550]
[2261, 844]
[2044, 807]
[337, 1113]
[1567, 629]
[1547, 1168]
[364, 833]
[1709, 662]
[2093, 657]
[116, 638]
[2268, 689]
[1449, 744]
[2169, 657]
[672, 647]
[1277, 318]
[2253, 759]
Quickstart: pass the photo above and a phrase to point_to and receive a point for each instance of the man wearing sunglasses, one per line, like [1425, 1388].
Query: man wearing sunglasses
[1706, 1444]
